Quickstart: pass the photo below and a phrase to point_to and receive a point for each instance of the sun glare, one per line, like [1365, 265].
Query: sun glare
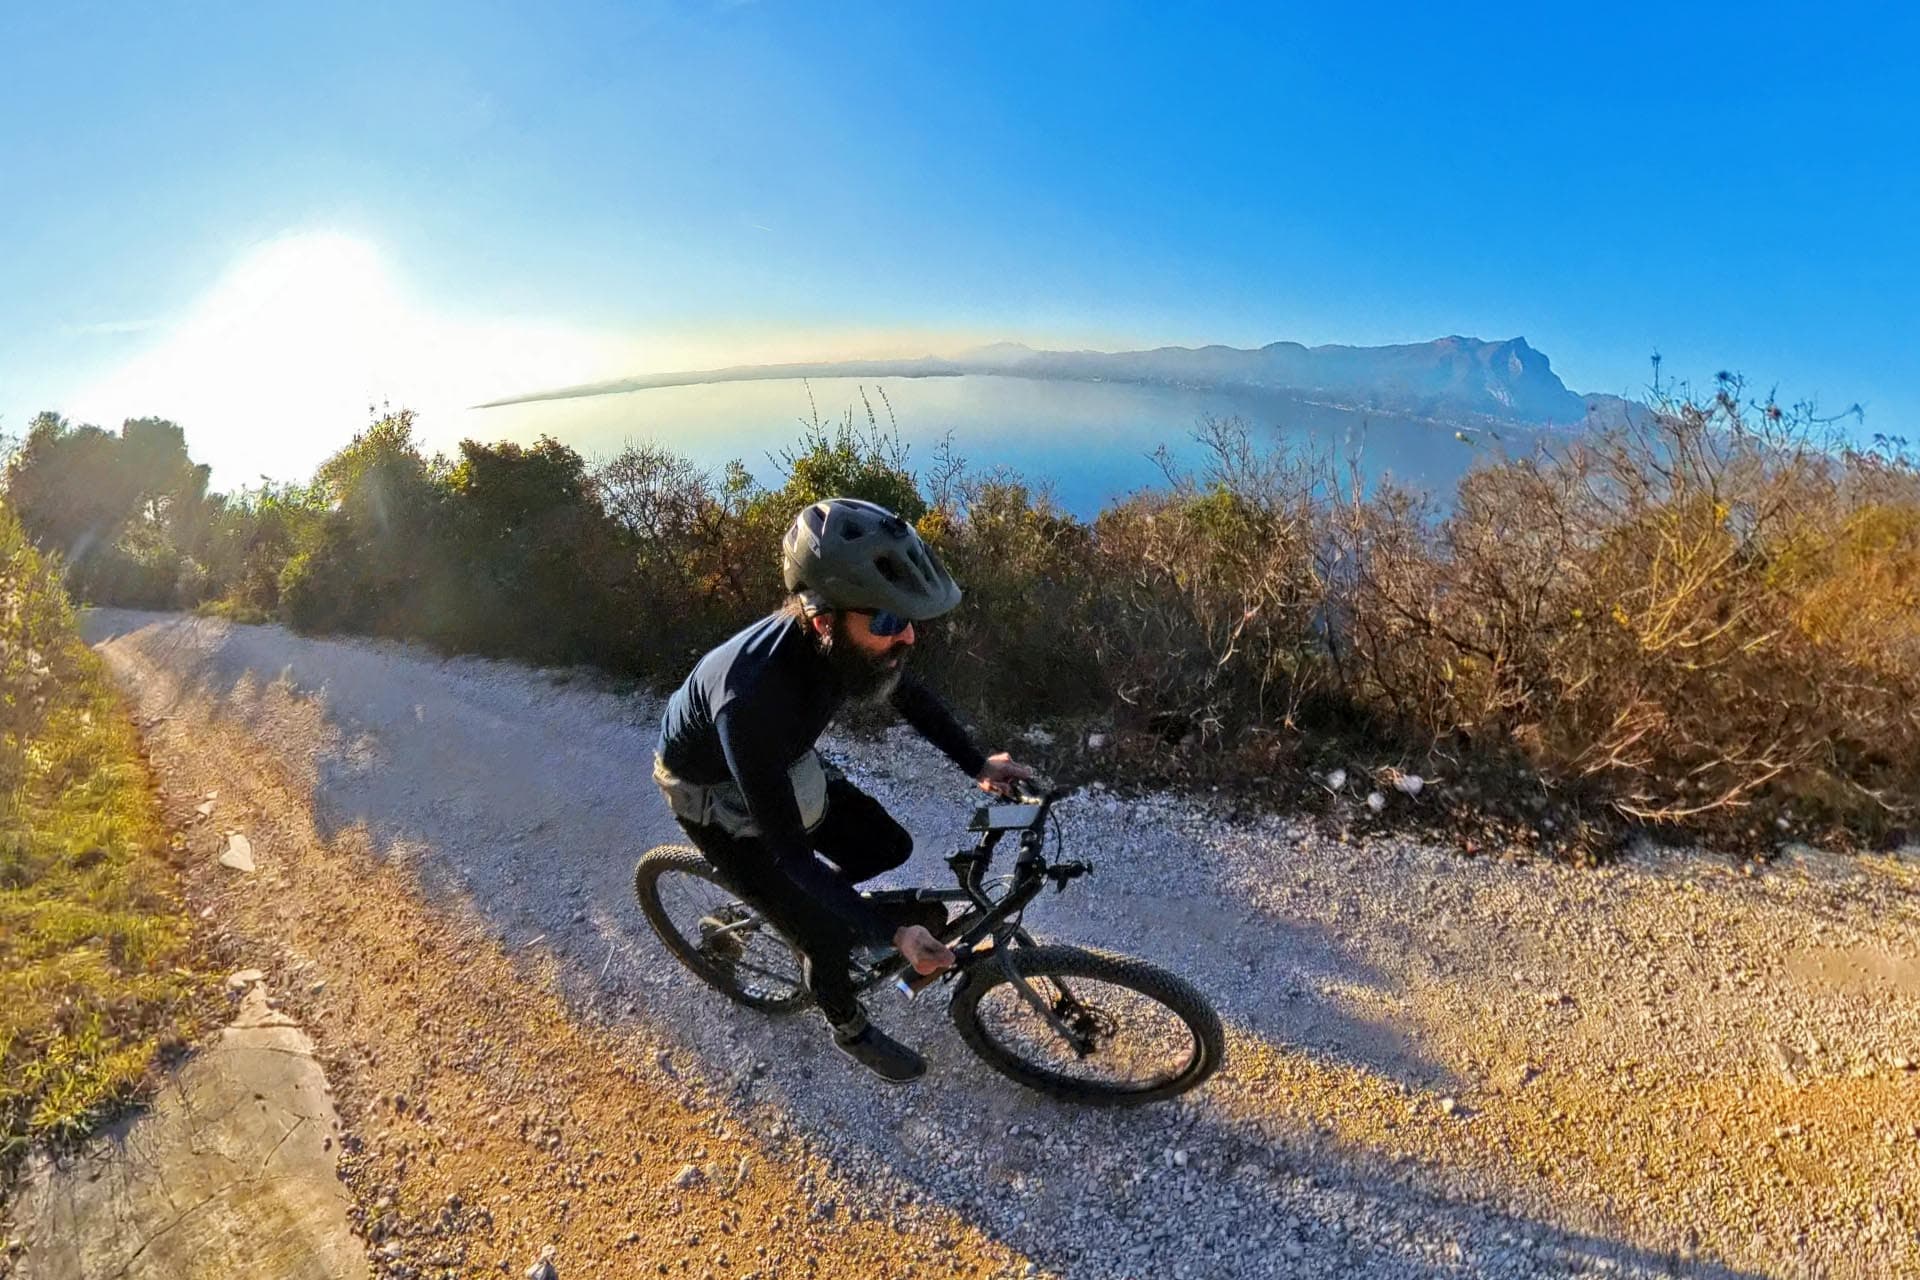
[275, 367]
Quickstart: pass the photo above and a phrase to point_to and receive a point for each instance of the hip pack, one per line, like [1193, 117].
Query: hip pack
[721, 804]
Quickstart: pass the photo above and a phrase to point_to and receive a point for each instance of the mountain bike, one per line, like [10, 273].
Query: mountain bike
[1080, 1024]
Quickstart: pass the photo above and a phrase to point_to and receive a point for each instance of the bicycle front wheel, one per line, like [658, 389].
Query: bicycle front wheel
[1115, 1031]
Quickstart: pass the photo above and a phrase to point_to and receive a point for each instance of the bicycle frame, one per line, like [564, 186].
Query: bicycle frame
[988, 917]
[987, 930]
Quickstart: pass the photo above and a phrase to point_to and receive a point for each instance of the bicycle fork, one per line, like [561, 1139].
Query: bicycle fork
[967, 955]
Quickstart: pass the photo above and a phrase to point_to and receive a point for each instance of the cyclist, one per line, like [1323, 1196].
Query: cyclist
[737, 764]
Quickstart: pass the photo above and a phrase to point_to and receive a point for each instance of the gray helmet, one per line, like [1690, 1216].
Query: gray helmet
[844, 553]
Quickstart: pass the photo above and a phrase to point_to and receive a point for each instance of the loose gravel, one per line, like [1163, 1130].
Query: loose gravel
[1439, 1065]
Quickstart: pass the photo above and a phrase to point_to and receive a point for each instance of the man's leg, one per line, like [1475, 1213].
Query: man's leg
[826, 949]
[858, 835]
[783, 904]
[861, 838]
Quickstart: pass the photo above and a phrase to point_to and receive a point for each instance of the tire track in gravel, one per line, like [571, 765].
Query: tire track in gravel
[1441, 1067]
[485, 1121]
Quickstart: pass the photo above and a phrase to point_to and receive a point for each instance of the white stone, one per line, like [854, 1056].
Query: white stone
[239, 853]
[241, 979]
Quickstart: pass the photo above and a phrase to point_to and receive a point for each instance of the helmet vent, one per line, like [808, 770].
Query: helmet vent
[853, 554]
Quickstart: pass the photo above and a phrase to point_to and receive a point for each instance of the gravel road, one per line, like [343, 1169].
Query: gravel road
[1439, 1065]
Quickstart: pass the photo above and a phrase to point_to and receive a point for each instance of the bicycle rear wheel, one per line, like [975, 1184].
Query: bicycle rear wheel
[1134, 1033]
[711, 931]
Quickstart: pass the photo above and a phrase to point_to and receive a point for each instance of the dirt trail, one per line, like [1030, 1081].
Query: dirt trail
[1441, 1067]
[487, 1121]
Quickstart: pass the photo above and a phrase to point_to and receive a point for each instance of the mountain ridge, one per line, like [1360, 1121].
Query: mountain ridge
[1454, 376]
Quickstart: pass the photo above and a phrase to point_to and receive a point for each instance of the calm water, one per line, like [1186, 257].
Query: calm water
[1092, 441]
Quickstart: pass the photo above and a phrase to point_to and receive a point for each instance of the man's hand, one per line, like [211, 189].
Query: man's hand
[1000, 773]
[926, 953]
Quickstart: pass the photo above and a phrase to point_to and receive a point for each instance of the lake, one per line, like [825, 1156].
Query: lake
[1092, 440]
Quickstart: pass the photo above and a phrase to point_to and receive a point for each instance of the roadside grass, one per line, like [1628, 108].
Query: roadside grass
[96, 975]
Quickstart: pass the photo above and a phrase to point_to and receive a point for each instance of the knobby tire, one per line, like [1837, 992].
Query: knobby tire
[1175, 994]
[673, 859]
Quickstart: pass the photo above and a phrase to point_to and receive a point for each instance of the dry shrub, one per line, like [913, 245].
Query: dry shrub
[1689, 617]
[1212, 596]
[1017, 649]
[688, 576]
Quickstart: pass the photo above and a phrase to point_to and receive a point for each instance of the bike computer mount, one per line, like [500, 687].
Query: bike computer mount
[1018, 816]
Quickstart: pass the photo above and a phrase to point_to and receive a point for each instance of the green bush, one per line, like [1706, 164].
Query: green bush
[538, 562]
[1709, 617]
[1016, 651]
[93, 940]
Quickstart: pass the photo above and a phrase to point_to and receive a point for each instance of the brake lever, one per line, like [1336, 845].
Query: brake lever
[1031, 790]
[911, 984]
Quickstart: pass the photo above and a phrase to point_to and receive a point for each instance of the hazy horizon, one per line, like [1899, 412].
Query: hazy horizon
[310, 213]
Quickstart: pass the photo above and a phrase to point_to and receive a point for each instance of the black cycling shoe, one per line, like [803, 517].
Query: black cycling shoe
[881, 1054]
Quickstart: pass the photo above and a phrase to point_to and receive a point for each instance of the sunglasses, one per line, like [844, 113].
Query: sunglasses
[882, 623]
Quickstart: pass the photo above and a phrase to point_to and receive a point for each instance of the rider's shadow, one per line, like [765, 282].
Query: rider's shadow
[1284, 980]
[533, 852]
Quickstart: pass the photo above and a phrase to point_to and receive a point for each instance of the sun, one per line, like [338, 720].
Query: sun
[276, 365]
[286, 348]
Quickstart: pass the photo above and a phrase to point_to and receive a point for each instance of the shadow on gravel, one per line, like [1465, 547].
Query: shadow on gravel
[1283, 980]
[528, 805]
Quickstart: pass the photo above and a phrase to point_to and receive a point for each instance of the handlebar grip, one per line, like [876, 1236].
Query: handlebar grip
[912, 983]
[1034, 788]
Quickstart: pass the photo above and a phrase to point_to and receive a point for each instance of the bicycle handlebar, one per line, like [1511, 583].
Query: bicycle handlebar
[1040, 790]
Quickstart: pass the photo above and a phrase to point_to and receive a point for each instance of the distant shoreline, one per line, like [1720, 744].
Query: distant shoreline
[775, 373]
[1455, 381]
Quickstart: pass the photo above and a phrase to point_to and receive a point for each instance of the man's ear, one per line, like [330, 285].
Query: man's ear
[822, 624]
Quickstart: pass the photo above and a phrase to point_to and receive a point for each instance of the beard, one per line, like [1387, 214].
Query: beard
[866, 681]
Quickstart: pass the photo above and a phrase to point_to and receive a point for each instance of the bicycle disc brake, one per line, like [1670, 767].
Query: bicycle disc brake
[1082, 1045]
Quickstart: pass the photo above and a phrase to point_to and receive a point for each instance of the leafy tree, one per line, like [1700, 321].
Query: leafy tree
[247, 539]
[361, 565]
[69, 489]
[118, 510]
[540, 559]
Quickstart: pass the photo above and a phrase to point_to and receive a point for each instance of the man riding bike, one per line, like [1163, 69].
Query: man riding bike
[737, 764]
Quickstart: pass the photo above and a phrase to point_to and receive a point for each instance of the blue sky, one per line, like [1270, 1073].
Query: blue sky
[206, 205]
